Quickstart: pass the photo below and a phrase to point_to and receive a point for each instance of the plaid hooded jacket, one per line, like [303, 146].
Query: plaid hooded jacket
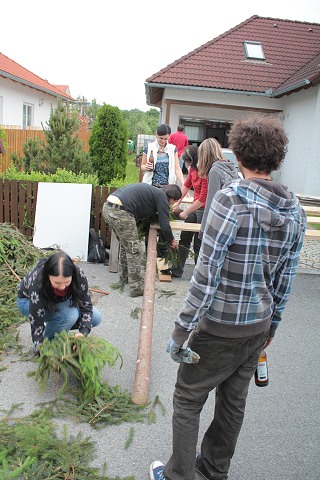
[247, 262]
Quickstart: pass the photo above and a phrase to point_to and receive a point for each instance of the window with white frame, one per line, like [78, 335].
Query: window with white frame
[27, 115]
[254, 50]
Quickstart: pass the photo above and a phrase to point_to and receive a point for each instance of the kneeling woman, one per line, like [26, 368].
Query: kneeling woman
[55, 296]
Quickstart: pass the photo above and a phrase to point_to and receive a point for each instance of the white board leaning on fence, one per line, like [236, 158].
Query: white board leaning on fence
[62, 217]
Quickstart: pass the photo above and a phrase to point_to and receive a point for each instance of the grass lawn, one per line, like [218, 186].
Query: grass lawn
[132, 172]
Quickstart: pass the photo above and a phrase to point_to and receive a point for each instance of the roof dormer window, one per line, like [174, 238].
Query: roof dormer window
[254, 51]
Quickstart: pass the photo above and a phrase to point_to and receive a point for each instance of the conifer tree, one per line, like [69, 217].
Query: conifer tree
[108, 144]
[63, 148]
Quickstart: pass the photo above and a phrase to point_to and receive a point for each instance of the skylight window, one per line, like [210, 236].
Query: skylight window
[254, 50]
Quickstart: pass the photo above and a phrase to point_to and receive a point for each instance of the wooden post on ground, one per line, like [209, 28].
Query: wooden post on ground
[142, 376]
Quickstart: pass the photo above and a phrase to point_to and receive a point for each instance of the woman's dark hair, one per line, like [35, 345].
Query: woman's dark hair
[172, 191]
[190, 155]
[259, 142]
[163, 129]
[60, 264]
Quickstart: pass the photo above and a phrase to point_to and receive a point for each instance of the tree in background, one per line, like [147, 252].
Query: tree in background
[108, 144]
[33, 160]
[63, 148]
[87, 109]
[141, 122]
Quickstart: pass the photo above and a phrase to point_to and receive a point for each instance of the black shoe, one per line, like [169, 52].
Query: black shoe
[176, 273]
[200, 468]
[167, 271]
[136, 293]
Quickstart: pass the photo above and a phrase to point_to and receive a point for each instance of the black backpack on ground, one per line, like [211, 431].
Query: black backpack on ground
[96, 251]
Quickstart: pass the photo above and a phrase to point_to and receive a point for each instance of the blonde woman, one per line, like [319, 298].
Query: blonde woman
[218, 170]
[165, 168]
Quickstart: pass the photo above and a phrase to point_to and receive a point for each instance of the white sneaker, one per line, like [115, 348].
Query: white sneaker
[156, 471]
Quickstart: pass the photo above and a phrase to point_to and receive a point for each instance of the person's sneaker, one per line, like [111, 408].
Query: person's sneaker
[156, 471]
[200, 468]
[136, 293]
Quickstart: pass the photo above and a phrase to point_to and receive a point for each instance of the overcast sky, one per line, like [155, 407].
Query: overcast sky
[106, 49]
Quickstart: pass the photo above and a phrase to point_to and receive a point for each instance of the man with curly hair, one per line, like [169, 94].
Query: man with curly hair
[247, 263]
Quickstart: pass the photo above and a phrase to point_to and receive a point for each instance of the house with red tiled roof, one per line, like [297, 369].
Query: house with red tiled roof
[264, 65]
[26, 99]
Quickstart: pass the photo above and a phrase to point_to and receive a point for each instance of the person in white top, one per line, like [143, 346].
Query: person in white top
[165, 168]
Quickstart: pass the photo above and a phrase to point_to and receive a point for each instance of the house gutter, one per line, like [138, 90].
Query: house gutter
[268, 93]
[207, 89]
[32, 85]
[300, 84]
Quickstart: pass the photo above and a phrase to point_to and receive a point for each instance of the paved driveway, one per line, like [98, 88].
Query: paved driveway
[280, 439]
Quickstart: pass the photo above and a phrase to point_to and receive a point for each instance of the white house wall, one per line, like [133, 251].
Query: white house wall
[217, 98]
[301, 116]
[301, 167]
[14, 95]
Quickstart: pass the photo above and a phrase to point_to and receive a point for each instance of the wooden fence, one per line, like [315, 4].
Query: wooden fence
[18, 204]
[15, 138]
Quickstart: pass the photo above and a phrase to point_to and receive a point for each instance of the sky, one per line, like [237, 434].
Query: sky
[106, 49]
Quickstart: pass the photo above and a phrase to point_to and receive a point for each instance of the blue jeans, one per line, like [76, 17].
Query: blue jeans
[64, 318]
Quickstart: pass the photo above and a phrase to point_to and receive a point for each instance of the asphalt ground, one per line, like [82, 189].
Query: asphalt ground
[280, 438]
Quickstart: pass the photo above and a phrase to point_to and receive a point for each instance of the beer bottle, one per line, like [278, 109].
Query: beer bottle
[151, 158]
[261, 374]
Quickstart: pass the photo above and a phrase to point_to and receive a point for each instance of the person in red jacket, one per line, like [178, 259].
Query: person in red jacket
[194, 213]
[181, 141]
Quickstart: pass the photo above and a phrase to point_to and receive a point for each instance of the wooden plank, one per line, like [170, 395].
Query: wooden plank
[104, 231]
[30, 210]
[7, 205]
[162, 265]
[178, 225]
[313, 219]
[195, 227]
[309, 209]
[14, 202]
[187, 200]
[313, 234]
[2, 202]
[22, 202]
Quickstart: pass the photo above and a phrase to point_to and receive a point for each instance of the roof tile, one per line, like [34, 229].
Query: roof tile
[290, 48]
[10, 69]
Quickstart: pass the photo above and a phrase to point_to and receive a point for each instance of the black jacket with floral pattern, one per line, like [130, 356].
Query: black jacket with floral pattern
[29, 287]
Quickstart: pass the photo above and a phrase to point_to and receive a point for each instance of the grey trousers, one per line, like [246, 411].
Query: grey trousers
[226, 364]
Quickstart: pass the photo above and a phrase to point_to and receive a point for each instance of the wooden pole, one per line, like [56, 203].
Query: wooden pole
[142, 376]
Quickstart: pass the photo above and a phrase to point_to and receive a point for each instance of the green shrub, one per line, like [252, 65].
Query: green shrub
[108, 145]
[61, 176]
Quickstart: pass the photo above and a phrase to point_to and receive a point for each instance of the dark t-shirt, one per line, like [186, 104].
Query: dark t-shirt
[143, 201]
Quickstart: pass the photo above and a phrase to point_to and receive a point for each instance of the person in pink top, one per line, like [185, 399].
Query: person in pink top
[194, 213]
[181, 141]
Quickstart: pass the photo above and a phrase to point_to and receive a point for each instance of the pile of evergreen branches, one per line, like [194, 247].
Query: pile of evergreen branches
[17, 257]
[93, 401]
[31, 449]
